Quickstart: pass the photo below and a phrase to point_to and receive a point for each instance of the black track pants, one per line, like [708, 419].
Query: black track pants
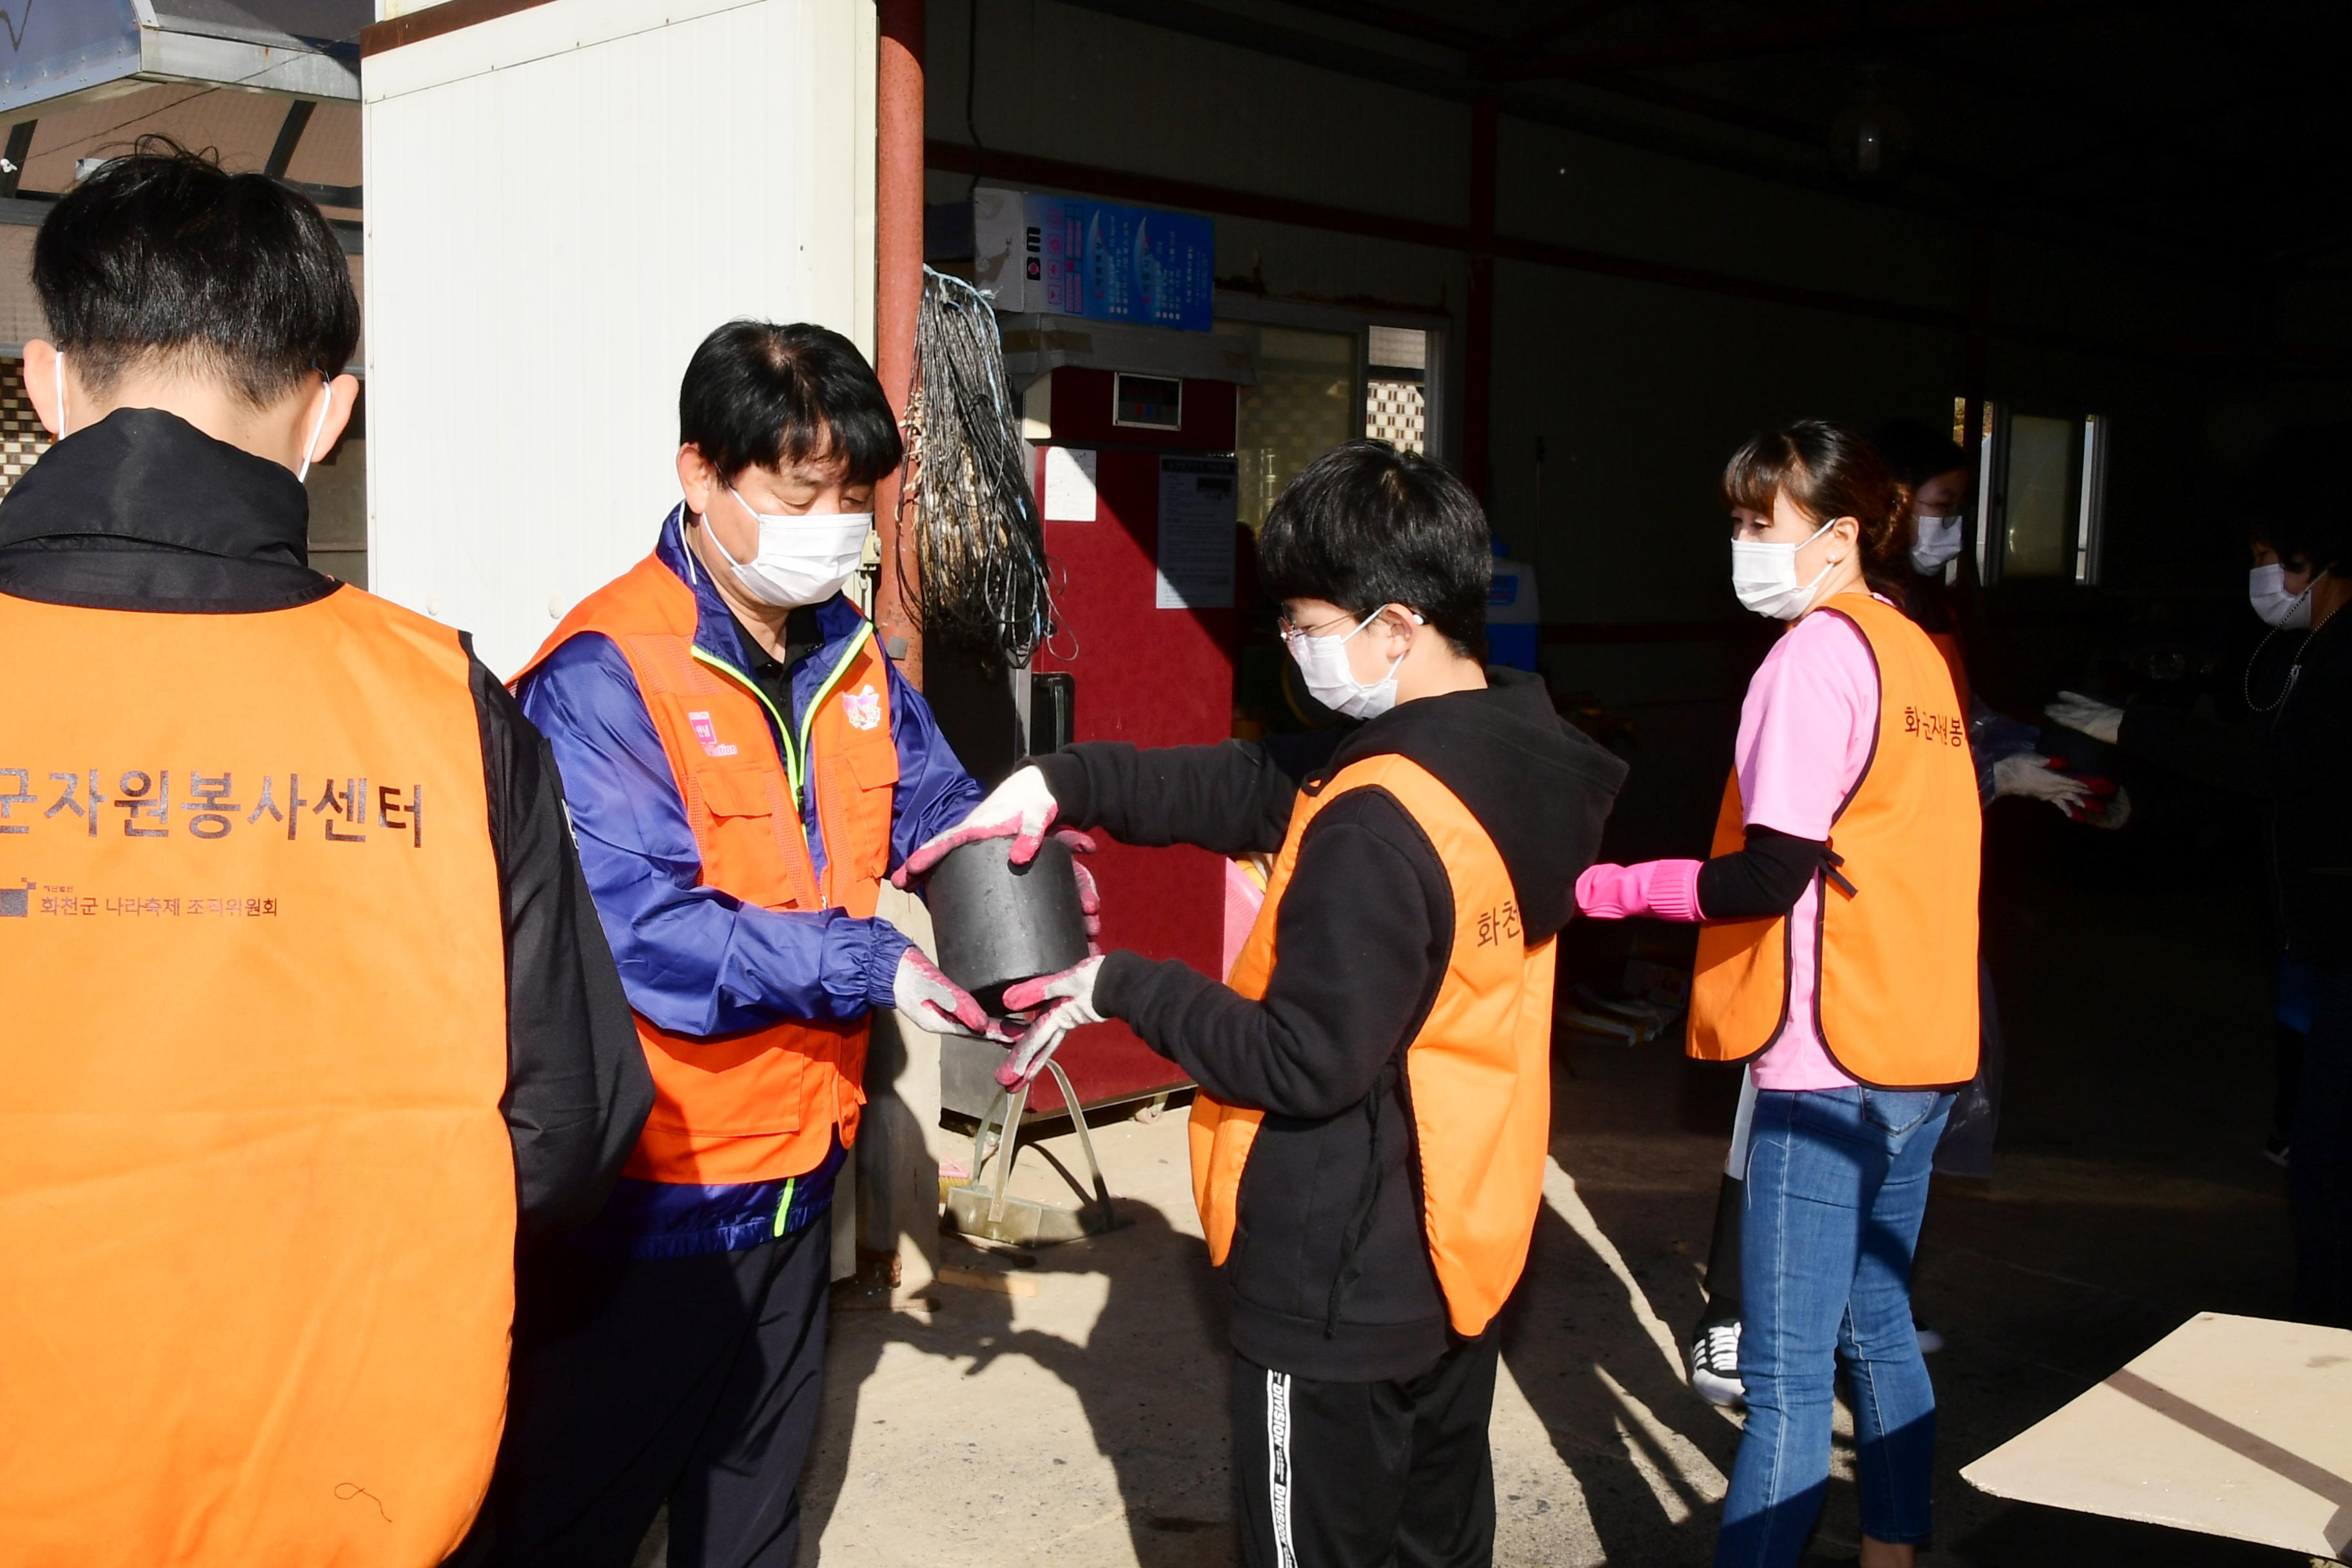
[691, 1381]
[1333, 1475]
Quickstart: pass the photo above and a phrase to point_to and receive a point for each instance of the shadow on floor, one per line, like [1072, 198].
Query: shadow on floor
[2128, 1193]
[1150, 1379]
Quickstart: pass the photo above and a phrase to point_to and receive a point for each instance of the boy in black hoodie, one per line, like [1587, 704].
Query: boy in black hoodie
[1375, 1093]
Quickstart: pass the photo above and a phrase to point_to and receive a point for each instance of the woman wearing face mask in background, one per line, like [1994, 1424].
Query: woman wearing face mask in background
[1933, 468]
[1839, 957]
[2294, 754]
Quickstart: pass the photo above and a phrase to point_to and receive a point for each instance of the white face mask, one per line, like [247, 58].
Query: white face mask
[1323, 661]
[1764, 576]
[1933, 542]
[2266, 589]
[802, 560]
[57, 360]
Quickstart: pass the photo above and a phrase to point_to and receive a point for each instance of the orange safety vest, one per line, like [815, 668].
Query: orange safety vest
[1894, 987]
[1478, 1071]
[257, 1200]
[763, 1104]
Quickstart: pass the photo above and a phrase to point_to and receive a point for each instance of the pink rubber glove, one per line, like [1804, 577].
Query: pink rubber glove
[1021, 808]
[1089, 896]
[1663, 889]
[936, 1002]
[1071, 995]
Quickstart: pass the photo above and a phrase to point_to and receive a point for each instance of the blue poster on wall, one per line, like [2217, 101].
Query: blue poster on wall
[1111, 263]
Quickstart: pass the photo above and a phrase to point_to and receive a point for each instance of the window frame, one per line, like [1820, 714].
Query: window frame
[2082, 548]
[1436, 378]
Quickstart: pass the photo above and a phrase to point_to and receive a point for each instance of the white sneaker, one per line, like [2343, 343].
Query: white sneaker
[1715, 1366]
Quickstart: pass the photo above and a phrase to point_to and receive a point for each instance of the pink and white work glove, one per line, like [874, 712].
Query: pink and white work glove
[1089, 896]
[1067, 1002]
[1663, 889]
[1021, 808]
[932, 999]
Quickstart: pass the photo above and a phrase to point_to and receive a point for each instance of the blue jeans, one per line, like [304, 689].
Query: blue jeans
[1837, 1183]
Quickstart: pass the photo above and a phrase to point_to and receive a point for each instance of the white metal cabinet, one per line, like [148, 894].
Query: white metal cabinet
[560, 203]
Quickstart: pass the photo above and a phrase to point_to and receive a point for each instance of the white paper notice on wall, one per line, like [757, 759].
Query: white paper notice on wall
[1070, 484]
[1198, 514]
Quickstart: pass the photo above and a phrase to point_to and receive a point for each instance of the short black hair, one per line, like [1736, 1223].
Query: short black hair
[163, 256]
[2319, 540]
[758, 394]
[1914, 454]
[2292, 506]
[1366, 525]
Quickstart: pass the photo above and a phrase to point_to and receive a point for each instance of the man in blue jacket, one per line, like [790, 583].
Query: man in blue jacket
[744, 767]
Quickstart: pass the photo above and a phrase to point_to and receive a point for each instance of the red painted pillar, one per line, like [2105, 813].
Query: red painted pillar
[898, 299]
[1478, 367]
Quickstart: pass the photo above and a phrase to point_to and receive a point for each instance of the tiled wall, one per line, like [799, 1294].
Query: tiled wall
[1397, 412]
[22, 439]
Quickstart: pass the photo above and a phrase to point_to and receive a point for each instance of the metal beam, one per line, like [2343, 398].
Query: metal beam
[1537, 107]
[329, 196]
[20, 147]
[1403, 24]
[1725, 111]
[899, 92]
[211, 62]
[1861, 26]
[1545, 31]
[1540, 106]
[290, 137]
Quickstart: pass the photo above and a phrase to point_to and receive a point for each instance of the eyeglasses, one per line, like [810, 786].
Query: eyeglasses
[1292, 631]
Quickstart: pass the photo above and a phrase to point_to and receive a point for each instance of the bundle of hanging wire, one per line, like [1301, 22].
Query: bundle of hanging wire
[978, 540]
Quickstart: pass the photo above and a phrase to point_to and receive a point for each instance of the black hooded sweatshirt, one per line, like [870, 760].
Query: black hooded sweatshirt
[1330, 1273]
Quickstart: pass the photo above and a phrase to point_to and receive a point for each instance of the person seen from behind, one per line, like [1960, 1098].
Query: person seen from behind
[309, 1015]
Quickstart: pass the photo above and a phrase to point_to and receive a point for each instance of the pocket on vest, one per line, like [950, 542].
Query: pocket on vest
[728, 1088]
[745, 857]
[865, 780]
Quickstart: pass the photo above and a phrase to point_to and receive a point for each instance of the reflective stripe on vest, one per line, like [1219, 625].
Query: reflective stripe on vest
[259, 1197]
[1478, 1071]
[762, 1104]
[1894, 990]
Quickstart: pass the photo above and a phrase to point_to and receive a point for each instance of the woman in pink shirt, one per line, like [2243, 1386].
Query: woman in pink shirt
[1837, 1173]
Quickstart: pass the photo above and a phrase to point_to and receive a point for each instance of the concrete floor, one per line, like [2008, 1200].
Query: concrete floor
[1068, 1405]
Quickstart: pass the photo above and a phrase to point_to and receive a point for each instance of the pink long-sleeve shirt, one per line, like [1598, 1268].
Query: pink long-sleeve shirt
[1805, 734]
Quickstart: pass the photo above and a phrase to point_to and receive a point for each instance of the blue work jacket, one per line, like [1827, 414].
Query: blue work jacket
[696, 961]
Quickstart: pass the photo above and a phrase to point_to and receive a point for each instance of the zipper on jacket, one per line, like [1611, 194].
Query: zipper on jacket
[793, 754]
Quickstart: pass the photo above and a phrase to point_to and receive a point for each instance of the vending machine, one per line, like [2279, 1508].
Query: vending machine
[1137, 487]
